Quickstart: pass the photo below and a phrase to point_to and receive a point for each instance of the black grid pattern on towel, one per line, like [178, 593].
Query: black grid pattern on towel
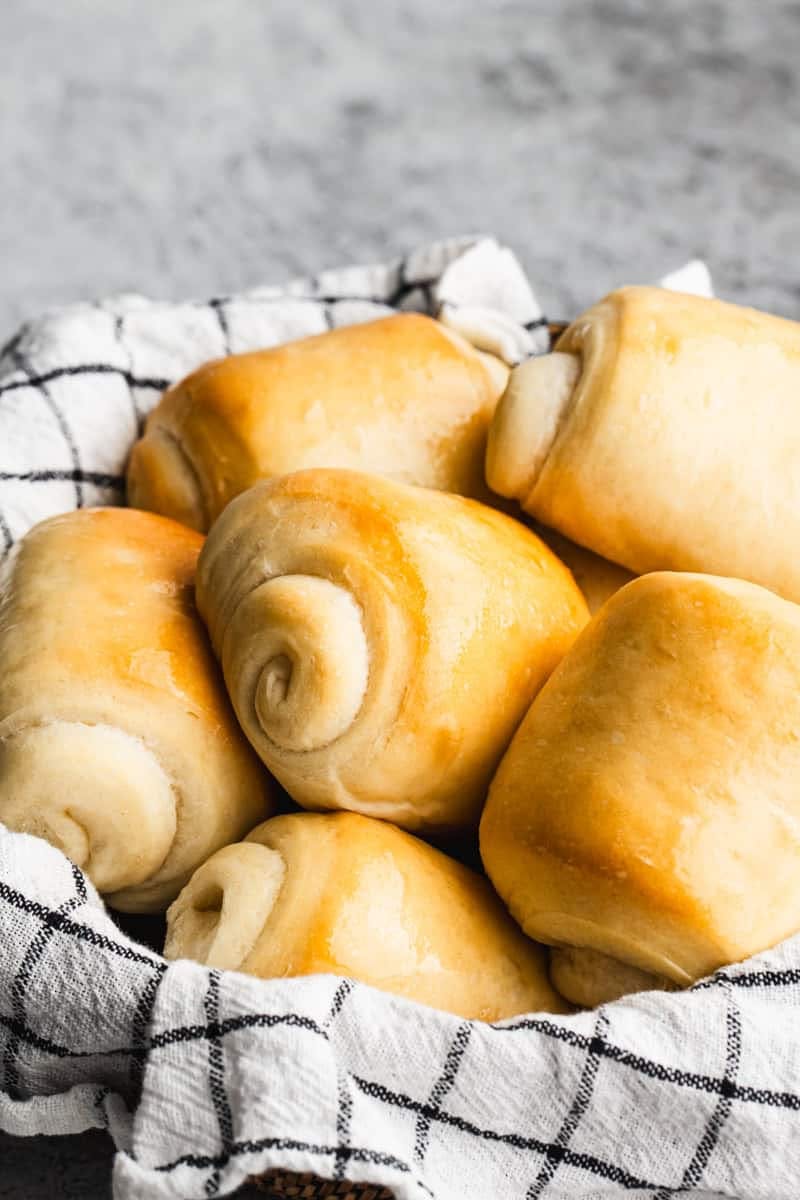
[19, 986]
[41, 384]
[345, 1100]
[440, 1089]
[47, 925]
[216, 1077]
[118, 325]
[582, 1098]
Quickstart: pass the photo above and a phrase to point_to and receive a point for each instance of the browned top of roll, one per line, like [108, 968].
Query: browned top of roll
[402, 397]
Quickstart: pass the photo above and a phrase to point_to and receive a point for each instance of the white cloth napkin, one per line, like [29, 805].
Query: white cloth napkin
[204, 1077]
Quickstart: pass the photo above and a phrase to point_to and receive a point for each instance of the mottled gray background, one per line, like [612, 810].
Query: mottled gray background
[190, 147]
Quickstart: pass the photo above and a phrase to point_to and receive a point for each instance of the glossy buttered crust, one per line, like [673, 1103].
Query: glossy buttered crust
[648, 807]
[402, 397]
[684, 412]
[117, 741]
[347, 895]
[381, 642]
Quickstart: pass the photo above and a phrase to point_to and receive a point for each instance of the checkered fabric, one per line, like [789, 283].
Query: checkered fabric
[204, 1078]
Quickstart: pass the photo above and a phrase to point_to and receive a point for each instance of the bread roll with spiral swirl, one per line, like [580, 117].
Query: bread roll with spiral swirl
[381, 642]
[117, 741]
[403, 397]
[341, 894]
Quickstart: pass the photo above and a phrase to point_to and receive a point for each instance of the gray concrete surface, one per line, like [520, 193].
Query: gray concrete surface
[199, 146]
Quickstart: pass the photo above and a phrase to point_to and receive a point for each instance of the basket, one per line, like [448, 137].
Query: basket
[284, 1185]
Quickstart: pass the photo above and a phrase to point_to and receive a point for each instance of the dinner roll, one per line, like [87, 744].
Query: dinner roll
[648, 807]
[117, 741]
[403, 397]
[664, 434]
[381, 642]
[307, 894]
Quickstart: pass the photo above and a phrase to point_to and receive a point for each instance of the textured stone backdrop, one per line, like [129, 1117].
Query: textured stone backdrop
[188, 147]
[202, 145]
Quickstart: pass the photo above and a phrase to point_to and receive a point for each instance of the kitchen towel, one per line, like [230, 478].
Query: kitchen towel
[205, 1078]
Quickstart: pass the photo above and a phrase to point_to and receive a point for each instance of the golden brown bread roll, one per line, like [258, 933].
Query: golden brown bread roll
[307, 894]
[117, 742]
[648, 807]
[402, 397]
[597, 578]
[381, 642]
[663, 433]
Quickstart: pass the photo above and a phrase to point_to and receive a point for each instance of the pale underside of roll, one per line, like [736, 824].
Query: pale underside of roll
[403, 397]
[647, 808]
[381, 642]
[342, 894]
[117, 741]
[662, 433]
[587, 978]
